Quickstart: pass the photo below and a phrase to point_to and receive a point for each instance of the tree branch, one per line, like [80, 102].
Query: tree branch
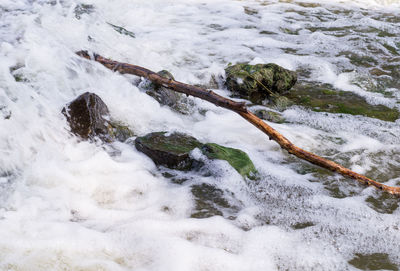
[241, 109]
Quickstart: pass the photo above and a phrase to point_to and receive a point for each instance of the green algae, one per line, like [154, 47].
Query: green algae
[238, 159]
[175, 143]
[174, 150]
[375, 261]
[326, 100]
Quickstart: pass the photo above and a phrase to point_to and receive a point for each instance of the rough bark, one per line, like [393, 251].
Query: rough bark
[241, 109]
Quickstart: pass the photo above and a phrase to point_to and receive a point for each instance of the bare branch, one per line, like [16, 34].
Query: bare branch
[241, 109]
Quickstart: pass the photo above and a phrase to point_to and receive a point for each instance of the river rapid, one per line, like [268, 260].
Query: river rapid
[67, 204]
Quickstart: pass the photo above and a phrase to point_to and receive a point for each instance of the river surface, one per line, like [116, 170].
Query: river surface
[67, 204]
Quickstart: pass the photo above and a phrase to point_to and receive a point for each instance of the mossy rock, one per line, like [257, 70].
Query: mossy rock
[173, 151]
[321, 99]
[168, 97]
[260, 81]
[89, 118]
[238, 159]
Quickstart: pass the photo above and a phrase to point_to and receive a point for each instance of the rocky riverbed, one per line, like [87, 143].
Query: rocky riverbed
[154, 180]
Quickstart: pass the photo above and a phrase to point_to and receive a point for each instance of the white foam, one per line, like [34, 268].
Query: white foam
[72, 205]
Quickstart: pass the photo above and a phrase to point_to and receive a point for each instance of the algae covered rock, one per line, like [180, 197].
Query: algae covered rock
[89, 117]
[238, 159]
[260, 81]
[173, 151]
[167, 96]
[321, 99]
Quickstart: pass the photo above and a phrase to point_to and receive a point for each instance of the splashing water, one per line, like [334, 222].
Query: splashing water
[72, 205]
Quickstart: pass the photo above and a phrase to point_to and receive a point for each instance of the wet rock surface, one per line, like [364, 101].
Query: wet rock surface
[322, 99]
[260, 81]
[269, 116]
[211, 201]
[173, 151]
[375, 261]
[89, 117]
[166, 96]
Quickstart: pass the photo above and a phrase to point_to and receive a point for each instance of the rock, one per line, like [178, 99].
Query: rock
[166, 96]
[211, 201]
[281, 103]
[322, 99]
[119, 131]
[88, 117]
[173, 151]
[238, 159]
[258, 82]
[269, 116]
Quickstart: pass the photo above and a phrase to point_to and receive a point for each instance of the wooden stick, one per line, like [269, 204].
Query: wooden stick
[241, 109]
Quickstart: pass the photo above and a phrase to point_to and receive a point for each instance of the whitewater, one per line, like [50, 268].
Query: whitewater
[68, 204]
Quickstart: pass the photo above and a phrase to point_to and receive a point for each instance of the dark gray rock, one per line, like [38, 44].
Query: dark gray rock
[89, 117]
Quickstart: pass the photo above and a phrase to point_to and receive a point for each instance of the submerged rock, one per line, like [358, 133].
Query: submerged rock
[173, 151]
[167, 96]
[89, 117]
[321, 99]
[375, 261]
[269, 116]
[211, 201]
[260, 81]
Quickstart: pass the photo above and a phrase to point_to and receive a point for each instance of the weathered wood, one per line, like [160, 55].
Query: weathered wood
[241, 109]
[198, 92]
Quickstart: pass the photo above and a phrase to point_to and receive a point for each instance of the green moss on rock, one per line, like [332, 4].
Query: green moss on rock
[257, 82]
[238, 159]
[173, 151]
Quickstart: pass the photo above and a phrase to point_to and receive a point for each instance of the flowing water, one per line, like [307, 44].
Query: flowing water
[67, 204]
